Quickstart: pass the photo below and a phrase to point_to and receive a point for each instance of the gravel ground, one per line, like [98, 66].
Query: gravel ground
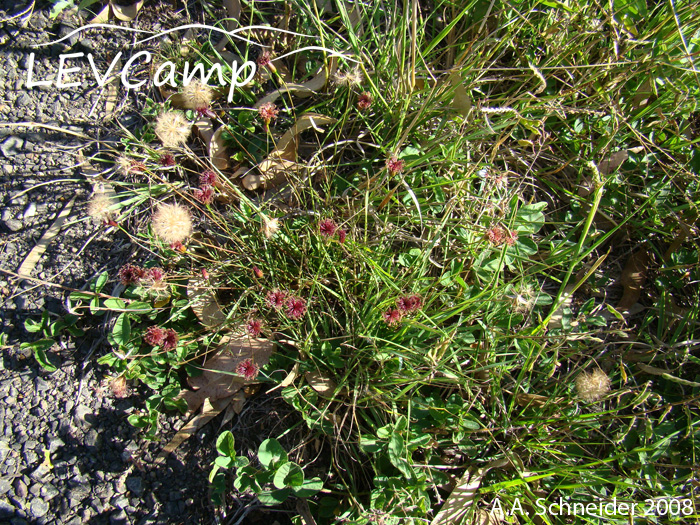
[99, 469]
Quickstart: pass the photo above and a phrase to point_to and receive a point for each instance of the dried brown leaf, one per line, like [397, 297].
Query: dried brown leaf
[219, 379]
[102, 17]
[632, 279]
[205, 128]
[204, 303]
[463, 496]
[126, 13]
[25, 269]
[218, 152]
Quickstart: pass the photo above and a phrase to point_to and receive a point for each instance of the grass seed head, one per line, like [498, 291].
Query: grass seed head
[172, 223]
[173, 129]
[592, 386]
[351, 78]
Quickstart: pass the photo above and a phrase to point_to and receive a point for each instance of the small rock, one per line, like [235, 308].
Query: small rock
[92, 439]
[24, 100]
[30, 211]
[13, 225]
[55, 443]
[5, 484]
[48, 491]
[20, 489]
[40, 385]
[39, 473]
[118, 518]
[39, 507]
[7, 510]
[11, 146]
[135, 485]
[80, 412]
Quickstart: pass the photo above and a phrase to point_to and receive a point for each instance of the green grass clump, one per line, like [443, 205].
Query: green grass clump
[514, 291]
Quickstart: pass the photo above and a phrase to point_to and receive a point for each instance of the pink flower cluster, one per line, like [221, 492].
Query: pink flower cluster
[394, 165]
[132, 274]
[268, 111]
[328, 228]
[293, 306]
[166, 338]
[405, 305]
[248, 369]
[498, 235]
[207, 182]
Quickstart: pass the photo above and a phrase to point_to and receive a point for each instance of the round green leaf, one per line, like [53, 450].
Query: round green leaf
[225, 444]
[271, 453]
[288, 475]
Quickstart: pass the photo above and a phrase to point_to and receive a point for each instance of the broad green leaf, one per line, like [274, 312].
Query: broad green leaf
[101, 281]
[274, 497]
[223, 461]
[397, 453]
[32, 326]
[225, 444]
[40, 348]
[122, 330]
[77, 296]
[114, 304]
[288, 475]
[271, 454]
[309, 488]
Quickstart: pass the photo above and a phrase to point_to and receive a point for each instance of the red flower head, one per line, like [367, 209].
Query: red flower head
[296, 307]
[394, 165]
[154, 336]
[327, 227]
[409, 303]
[414, 303]
[392, 317]
[258, 272]
[170, 339]
[254, 327]
[248, 369]
[205, 195]
[496, 235]
[130, 274]
[205, 111]
[341, 236]
[208, 178]
[511, 237]
[268, 111]
[364, 102]
[167, 160]
[264, 59]
[155, 274]
[276, 298]
[178, 247]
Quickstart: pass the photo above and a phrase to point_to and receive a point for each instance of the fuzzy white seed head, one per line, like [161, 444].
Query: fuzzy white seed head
[592, 386]
[270, 227]
[196, 95]
[351, 78]
[99, 207]
[173, 129]
[172, 223]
